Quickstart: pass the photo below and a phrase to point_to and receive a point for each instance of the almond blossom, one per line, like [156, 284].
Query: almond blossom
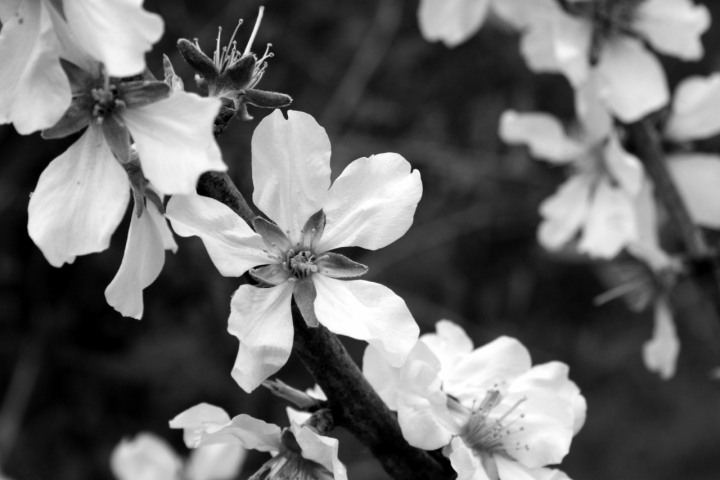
[149, 457]
[603, 40]
[300, 452]
[493, 414]
[370, 205]
[36, 34]
[83, 194]
[598, 198]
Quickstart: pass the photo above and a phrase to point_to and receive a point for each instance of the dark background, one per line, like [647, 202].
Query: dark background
[76, 377]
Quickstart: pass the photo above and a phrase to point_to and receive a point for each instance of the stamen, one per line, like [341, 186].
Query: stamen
[217, 56]
[255, 30]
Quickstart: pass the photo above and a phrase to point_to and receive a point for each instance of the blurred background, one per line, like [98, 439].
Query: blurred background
[76, 377]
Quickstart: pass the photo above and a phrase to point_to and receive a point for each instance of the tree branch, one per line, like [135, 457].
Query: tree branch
[353, 402]
[706, 268]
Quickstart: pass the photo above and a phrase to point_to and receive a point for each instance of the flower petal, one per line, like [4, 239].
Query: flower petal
[422, 409]
[564, 212]
[367, 311]
[625, 167]
[516, 471]
[208, 425]
[694, 110]
[215, 462]
[291, 169]
[142, 263]
[175, 141]
[673, 27]
[8, 8]
[491, 366]
[449, 344]
[115, 32]
[35, 90]
[696, 176]
[145, 457]
[320, 449]
[553, 376]
[79, 201]
[631, 80]
[661, 351]
[195, 420]
[261, 319]
[542, 426]
[610, 223]
[233, 247]
[468, 465]
[542, 133]
[452, 21]
[371, 204]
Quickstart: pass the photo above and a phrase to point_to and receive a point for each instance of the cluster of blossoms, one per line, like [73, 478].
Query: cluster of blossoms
[603, 48]
[78, 66]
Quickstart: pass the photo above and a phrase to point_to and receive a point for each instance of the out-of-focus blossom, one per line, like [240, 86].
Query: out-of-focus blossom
[494, 415]
[370, 205]
[233, 73]
[37, 33]
[661, 351]
[598, 198]
[602, 41]
[149, 457]
[451, 21]
[300, 451]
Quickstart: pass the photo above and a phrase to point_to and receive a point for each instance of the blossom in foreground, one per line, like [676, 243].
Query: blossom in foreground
[370, 205]
[233, 73]
[598, 198]
[494, 415]
[602, 40]
[35, 35]
[300, 452]
[149, 457]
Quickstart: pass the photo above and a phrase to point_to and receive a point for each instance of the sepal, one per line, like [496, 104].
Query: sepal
[273, 274]
[274, 238]
[197, 60]
[264, 99]
[140, 93]
[305, 294]
[334, 265]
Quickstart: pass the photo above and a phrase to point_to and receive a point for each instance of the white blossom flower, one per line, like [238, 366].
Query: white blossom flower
[299, 452]
[451, 21]
[82, 195]
[603, 40]
[598, 198]
[370, 205]
[494, 415]
[149, 457]
[35, 35]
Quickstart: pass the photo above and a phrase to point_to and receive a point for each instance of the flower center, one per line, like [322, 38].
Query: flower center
[226, 57]
[289, 464]
[485, 434]
[301, 264]
[106, 102]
